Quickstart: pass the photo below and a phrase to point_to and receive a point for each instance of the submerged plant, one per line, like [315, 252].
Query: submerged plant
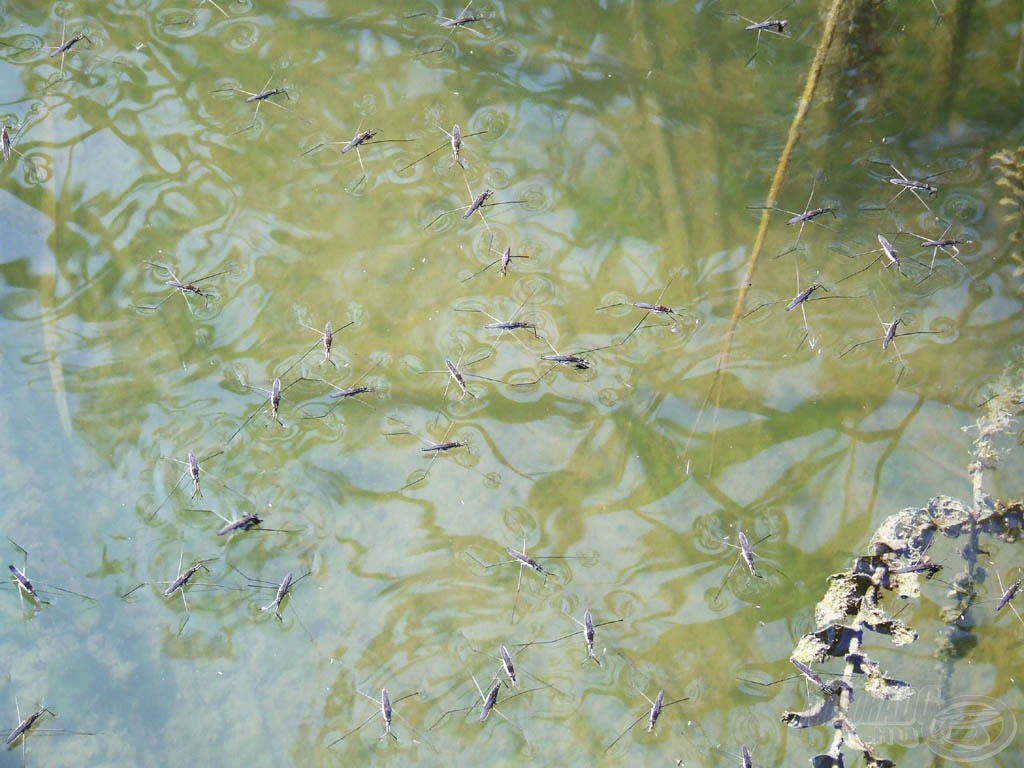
[858, 602]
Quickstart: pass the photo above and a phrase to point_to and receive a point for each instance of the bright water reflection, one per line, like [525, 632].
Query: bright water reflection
[639, 144]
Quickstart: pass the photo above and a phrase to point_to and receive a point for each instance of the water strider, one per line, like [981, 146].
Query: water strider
[947, 245]
[457, 375]
[1006, 598]
[455, 142]
[523, 560]
[888, 251]
[507, 326]
[263, 95]
[326, 338]
[248, 522]
[183, 579]
[476, 205]
[462, 20]
[282, 591]
[508, 667]
[23, 727]
[178, 584]
[244, 523]
[577, 360]
[771, 24]
[657, 706]
[802, 218]
[746, 554]
[6, 141]
[488, 704]
[344, 393]
[66, 45]
[26, 587]
[431, 449]
[181, 287]
[914, 186]
[589, 631]
[360, 139]
[656, 308]
[276, 393]
[888, 337]
[356, 389]
[386, 711]
[504, 259]
[193, 470]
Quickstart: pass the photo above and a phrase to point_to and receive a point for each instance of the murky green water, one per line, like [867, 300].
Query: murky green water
[639, 142]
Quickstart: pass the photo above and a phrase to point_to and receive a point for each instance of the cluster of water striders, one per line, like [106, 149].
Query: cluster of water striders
[517, 327]
[37, 594]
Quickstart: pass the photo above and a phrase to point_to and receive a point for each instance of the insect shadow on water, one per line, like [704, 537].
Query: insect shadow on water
[29, 589]
[463, 20]
[523, 560]
[181, 287]
[504, 259]
[914, 186]
[361, 139]
[179, 583]
[264, 94]
[455, 138]
[657, 308]
[488, 702]
[658, 705]
[771, 24]
[589, 631]
[386, 712]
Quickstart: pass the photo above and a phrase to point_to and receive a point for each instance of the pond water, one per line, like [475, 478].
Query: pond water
[630, 148]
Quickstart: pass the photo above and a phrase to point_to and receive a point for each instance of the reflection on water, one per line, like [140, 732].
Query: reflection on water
[173, 247]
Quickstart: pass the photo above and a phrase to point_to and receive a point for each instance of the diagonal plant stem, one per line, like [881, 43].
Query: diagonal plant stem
[795, 129]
